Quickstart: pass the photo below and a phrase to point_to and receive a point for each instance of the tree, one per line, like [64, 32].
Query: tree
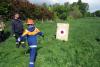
[75, 12]
[83, 7]
[25, 8]
[97, 13]
[45, 5]
[61, 11]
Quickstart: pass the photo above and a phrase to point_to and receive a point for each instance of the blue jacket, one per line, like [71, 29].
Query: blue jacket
[31, 34]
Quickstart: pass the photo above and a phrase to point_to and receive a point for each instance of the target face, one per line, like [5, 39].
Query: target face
[62, 31]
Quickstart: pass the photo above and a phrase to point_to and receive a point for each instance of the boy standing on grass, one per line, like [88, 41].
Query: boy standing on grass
[17, 29]
[31, 33]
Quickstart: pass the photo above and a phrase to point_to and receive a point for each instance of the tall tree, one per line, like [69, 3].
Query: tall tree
[83, 7]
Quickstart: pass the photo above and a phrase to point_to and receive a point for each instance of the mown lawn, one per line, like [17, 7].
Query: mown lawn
[82, 49]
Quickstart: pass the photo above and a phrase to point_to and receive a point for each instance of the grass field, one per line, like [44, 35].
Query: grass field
[82, 49]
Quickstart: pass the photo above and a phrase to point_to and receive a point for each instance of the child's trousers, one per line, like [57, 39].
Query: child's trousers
[33, 54]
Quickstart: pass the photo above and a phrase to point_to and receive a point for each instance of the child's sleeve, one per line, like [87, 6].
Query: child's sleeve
[39, 32]
[22, 36]
[25, 33]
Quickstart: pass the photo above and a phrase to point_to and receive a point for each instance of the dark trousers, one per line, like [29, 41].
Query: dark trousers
[33, 54]
[1, 36]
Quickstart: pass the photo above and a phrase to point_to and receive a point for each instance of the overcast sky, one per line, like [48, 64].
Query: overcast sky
[93, 4]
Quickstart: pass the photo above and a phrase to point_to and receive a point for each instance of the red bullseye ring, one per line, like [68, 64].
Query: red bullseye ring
[62, 32]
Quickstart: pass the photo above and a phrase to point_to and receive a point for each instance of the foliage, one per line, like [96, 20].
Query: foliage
[26, 9]
[76, 9]
[4, 8]
[75, 12]
[83, 7]
[44, 11]
[97, 13]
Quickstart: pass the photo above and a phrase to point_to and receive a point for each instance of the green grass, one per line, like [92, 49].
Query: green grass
[82, 49]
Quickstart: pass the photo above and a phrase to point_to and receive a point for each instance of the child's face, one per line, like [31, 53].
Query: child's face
[16, 16]
[30, 25]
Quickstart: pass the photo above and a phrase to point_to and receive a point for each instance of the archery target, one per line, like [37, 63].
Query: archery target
[62, 31]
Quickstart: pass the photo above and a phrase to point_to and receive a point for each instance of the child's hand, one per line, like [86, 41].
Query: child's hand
[19, 39]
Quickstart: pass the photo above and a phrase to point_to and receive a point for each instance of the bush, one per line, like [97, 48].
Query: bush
[97, 13]
[9, 7]
[75, 14]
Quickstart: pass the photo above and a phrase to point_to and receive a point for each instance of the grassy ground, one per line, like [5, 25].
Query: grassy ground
[82, 49]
